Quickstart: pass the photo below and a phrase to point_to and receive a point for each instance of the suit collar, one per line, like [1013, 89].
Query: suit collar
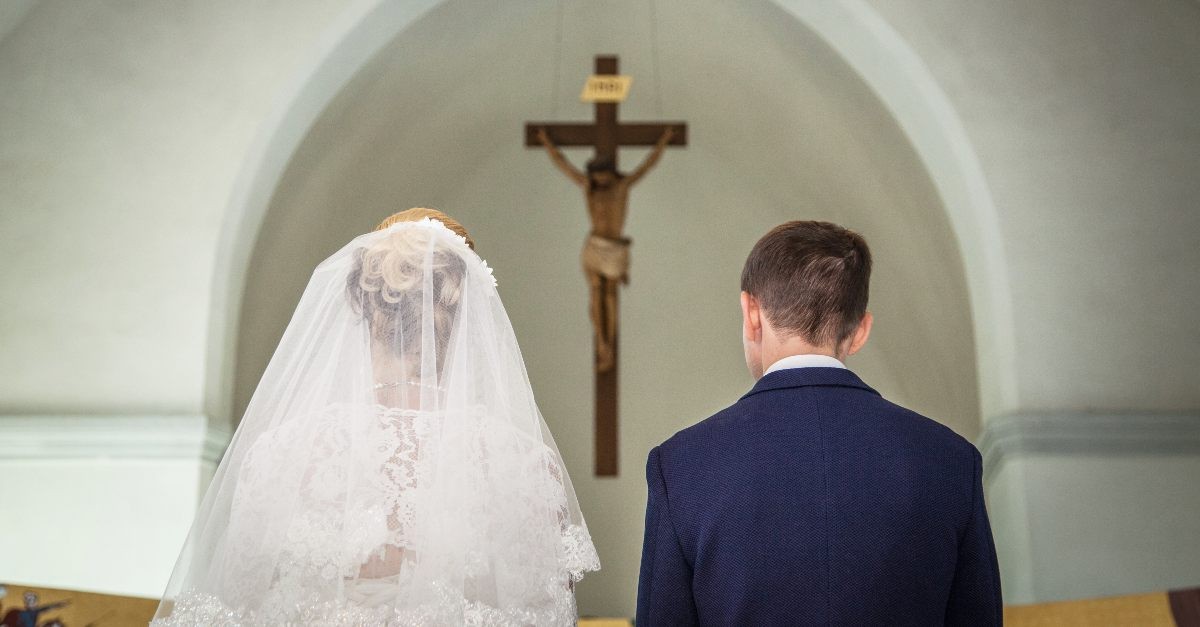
[804, 377]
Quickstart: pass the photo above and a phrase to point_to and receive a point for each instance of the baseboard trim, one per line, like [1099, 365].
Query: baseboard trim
[1015, 435]
[158, 437]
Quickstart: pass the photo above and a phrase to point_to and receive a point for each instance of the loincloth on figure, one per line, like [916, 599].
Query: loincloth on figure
[607, 257]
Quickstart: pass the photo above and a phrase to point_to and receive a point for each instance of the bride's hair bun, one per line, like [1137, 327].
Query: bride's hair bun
[420, 213]
[385, 284]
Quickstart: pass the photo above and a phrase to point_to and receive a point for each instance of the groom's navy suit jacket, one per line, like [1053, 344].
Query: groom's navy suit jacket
[814, 501]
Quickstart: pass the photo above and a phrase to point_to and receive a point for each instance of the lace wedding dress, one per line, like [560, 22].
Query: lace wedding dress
[392, 467]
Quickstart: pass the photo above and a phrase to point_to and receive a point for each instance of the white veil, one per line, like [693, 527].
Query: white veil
[392, 466]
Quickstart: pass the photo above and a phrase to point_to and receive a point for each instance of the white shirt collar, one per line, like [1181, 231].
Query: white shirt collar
[805, 361]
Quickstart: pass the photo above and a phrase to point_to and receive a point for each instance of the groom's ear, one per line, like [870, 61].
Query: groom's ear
[751, 318]
[861, 333]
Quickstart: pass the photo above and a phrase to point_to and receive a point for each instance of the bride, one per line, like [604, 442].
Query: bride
[392, 467]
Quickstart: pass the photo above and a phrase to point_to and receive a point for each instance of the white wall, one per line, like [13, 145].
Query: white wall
[1083, 117]
[1087, 505]
[11, 14]
[101, 502]
[124, 128]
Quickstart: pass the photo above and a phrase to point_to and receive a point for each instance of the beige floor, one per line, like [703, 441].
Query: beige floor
[1143, 610]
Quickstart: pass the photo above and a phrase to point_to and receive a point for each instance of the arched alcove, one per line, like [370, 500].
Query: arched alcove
[781, 128]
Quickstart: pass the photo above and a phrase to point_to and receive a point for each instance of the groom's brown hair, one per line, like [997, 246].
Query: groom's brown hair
[811, 279]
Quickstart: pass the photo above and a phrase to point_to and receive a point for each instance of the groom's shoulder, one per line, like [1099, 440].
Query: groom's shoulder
[714, 431]
[927, 429]
[889, 422]
[699, 433]
[898, 427]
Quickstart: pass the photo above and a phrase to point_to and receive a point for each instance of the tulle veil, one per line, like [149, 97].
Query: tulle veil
[392, 466]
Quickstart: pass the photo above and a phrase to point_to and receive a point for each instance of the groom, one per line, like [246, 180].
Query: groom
[812, 500]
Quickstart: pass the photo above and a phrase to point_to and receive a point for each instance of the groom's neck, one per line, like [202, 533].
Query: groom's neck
[776, 347]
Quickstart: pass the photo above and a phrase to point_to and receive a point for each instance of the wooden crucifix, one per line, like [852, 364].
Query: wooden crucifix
[606, 251]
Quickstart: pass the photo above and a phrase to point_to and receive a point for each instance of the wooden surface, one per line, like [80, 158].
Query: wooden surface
[607, 440]
[1185, 606]
[605, 622]
[584, 134]
[1157, 609]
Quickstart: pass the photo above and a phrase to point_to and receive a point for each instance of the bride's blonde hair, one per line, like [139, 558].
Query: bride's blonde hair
[385, 284]
[420, 213]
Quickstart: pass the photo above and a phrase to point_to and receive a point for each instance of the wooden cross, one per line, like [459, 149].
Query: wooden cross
[606, 255]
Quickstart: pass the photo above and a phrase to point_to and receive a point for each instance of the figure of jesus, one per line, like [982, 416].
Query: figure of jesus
[606, 251]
